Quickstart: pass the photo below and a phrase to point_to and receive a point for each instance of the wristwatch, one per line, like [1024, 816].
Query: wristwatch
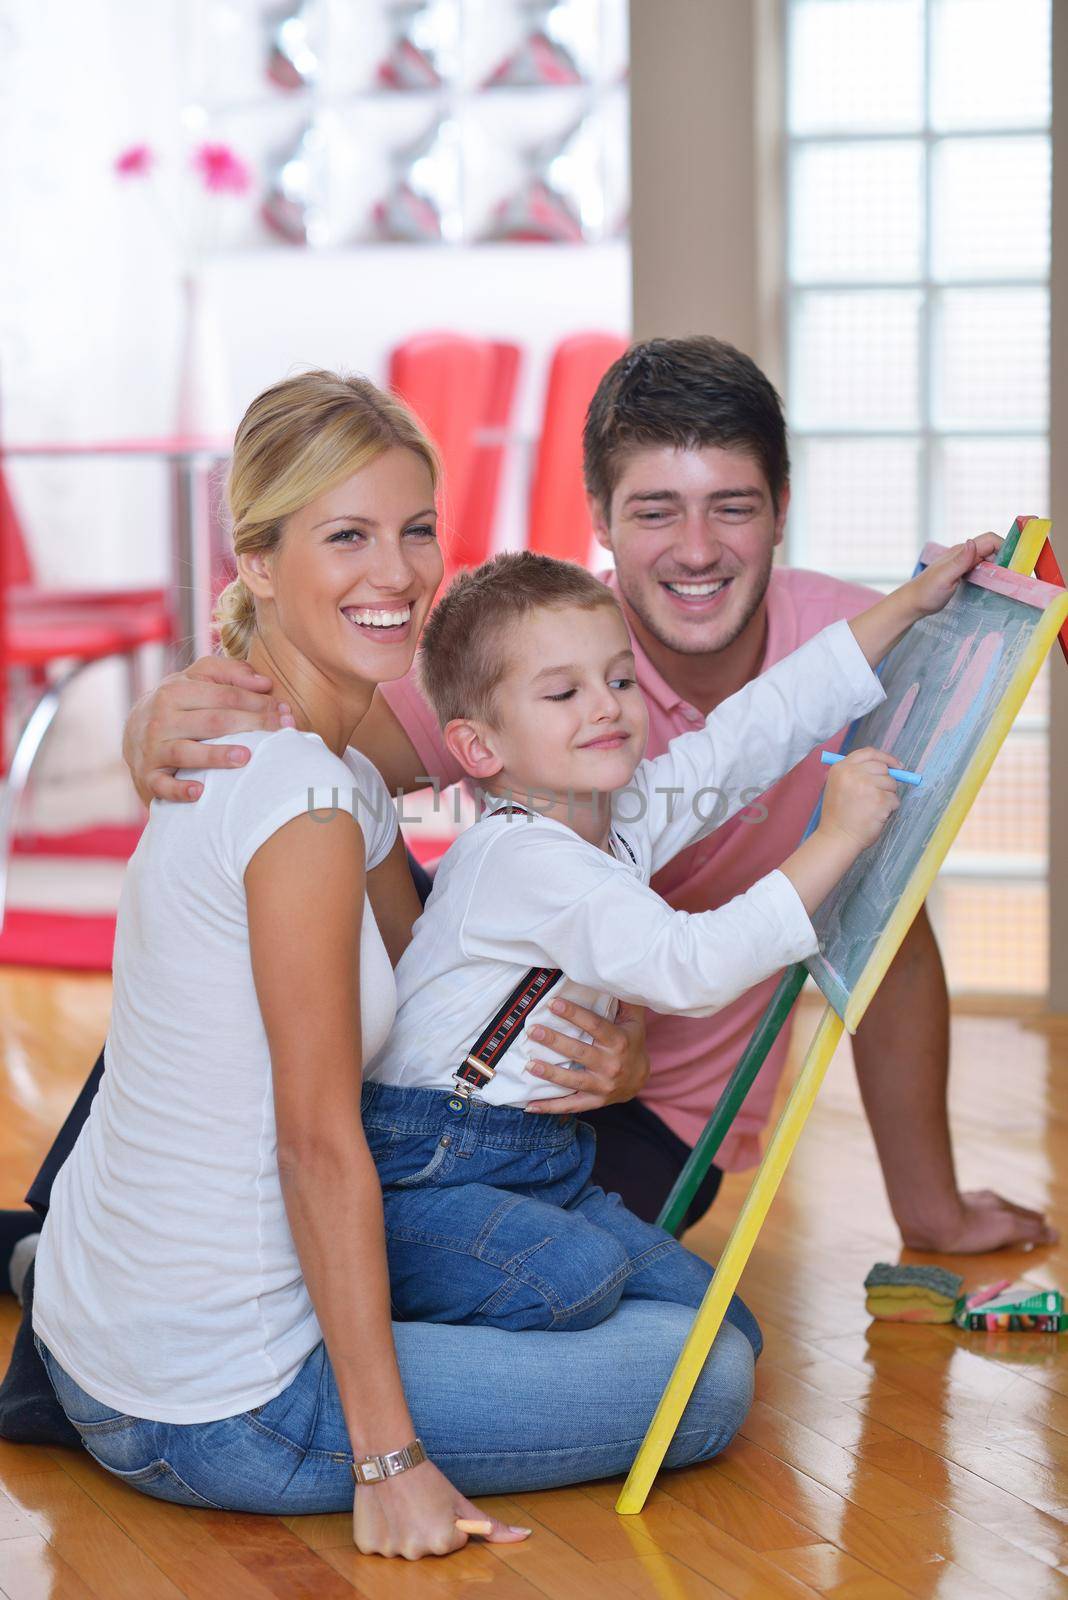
[376, 1469]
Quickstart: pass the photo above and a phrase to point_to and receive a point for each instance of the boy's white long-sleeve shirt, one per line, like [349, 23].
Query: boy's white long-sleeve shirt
[523, 891]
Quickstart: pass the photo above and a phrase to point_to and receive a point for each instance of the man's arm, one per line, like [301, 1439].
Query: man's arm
[384, 741]
[901, 1052]
[217, 696]
[213, 697]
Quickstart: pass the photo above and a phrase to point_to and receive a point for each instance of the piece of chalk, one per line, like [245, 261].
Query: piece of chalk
[990, 1292]
[831, 758]
[468, 1525]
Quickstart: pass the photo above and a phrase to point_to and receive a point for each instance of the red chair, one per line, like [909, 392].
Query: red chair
[46, 648]
[478, 512]
[448, 381]
[559, 519]
[25, 594]
[146, 613]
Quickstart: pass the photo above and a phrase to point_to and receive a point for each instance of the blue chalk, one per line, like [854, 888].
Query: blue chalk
[830, 758]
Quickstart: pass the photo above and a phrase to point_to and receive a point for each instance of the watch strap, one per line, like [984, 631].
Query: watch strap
[376, 1469]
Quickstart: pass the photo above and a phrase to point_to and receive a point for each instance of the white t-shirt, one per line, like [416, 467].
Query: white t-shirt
[167, 1280]
[525, 891]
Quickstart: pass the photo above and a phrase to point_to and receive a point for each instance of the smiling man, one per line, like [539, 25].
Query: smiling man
[687, 468]
[687, 471]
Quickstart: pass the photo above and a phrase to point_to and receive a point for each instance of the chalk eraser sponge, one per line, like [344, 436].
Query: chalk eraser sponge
[943, 1282]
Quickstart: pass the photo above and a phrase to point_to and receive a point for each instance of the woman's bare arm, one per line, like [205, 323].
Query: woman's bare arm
[394, 900]
[305, 891]
[305, 904]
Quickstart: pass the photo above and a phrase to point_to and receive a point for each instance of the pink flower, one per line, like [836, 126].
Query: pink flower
[136, 162]
[222, 171]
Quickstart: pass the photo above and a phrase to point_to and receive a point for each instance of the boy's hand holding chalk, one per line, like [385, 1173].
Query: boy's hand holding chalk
[831, 758]
[858, 801]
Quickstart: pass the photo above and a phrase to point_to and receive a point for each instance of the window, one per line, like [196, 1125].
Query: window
[918, 255]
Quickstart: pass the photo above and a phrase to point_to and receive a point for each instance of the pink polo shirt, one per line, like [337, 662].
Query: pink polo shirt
[692, 1057]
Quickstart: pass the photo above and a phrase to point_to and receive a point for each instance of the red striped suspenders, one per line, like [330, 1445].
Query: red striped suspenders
[480, 1064]
[478, 1067]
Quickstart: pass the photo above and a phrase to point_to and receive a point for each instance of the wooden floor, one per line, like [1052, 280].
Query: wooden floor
[877, 1461]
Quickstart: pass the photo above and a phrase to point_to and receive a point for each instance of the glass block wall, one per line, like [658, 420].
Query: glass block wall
[454, 122]
[917, 266]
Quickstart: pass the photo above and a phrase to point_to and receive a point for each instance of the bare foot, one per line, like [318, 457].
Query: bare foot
[987, 1222]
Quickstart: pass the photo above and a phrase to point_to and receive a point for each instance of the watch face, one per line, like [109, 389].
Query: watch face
[374, 1469]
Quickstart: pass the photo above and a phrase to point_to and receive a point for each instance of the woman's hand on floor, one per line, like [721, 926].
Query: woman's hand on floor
[614, 1066]
[415, 1514]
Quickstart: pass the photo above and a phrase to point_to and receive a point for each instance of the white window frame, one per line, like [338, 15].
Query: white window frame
[929, 436]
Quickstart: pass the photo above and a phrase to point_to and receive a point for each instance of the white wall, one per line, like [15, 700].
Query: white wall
[89, 301]
[279, 310]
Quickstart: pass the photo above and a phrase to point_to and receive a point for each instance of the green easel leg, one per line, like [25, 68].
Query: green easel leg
[1005, 554]
[727, 1107]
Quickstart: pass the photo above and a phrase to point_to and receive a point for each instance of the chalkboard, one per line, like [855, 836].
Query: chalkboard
[953, 686]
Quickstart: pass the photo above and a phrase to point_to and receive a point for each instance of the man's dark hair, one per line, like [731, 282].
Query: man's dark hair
[686, 393]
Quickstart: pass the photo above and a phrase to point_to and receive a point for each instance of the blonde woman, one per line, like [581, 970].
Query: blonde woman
[212, 1302]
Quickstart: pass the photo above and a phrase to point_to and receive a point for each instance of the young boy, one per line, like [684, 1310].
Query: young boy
[490, 1215]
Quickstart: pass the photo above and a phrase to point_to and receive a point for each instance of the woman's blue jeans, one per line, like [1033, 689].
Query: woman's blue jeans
[498, 1412]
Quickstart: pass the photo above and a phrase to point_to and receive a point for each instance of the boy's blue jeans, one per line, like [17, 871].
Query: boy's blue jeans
[491, 1220]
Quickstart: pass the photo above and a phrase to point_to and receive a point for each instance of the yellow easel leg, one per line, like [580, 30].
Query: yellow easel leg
[736, 1253]
[1029, 548]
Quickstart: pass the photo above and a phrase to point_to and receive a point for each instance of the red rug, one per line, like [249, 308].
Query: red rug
[76, 943]
[57, 939]
[110, 841]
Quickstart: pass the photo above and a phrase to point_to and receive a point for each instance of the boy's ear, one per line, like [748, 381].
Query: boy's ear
[599, 521]
[254, 568]
[471, 744]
